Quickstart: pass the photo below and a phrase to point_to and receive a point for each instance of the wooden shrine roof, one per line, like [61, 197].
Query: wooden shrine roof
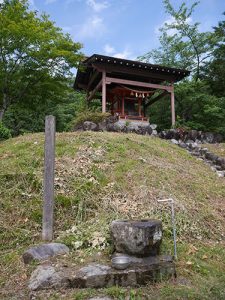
[89, 74]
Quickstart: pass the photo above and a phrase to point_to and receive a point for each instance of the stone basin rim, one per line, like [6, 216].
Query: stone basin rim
[135, 222]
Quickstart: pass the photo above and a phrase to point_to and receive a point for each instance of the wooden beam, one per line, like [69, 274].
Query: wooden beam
[103, 92]
[93, 92]
[92, 79]
[153, 100]
[138, 83]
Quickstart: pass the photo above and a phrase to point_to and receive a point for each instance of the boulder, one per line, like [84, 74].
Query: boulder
[182, 144]
[175, 142]
[87, 125]
[139, 238]
[221, 162]
[153, 126]
[192, 135]
[44, 251]
[154, 132]
[208, 137]
[211, 156]
[46, 277]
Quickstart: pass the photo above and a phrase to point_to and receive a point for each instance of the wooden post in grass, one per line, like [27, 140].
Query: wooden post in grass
[49, 168]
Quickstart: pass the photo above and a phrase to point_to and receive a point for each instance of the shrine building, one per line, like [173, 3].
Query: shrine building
[127, 87]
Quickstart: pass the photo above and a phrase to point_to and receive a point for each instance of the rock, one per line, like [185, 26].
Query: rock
[102, 126]
[221, 162]
[189, 142]
[211, 156]
[87, 125]
[139, 238]
[221, 173]
[119, 126]
[141, 272]
[175, 142]
[203, 151]
[46, 277]
[154, 132]
[44, 251]
[182, 144]
[153, 126]
[192, 135]
[171, 134]
[208, 137]
[162, 134]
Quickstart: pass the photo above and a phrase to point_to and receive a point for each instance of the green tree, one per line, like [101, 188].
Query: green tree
[214, 70]
[36, 58]
[181, 42]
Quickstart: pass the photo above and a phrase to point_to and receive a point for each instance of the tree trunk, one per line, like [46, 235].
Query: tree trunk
[4, 107]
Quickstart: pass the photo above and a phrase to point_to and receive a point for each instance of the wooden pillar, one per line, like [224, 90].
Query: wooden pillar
[122, 105]
[49, 167]
[103, 91]
[173, 118]
[139, 107]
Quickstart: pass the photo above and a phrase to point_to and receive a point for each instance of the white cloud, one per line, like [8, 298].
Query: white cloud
[91, 28]
[108, 49]
[111, 51]
[126, 54]
[97, 6]
[169, 21]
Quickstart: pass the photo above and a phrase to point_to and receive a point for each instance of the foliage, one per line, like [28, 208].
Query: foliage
[182, 44]
[4, 132]
[36, 58]
[214, 70]
[199, 99]
[89, 115]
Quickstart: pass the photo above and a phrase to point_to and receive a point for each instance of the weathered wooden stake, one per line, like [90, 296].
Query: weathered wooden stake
[173, 117]
[49, 168]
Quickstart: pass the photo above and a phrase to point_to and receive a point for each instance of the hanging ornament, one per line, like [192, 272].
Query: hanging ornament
[136, 95]
[132, 93]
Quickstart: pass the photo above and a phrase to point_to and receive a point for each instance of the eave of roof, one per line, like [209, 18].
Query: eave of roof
[176, 74]
[134, 63]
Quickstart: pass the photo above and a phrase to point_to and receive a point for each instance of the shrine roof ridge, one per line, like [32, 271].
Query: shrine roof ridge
[134, 63]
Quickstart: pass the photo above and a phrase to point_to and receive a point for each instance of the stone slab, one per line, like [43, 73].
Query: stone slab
[141, 272]
[44, 251]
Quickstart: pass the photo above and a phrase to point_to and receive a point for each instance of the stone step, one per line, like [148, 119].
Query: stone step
[144, 271]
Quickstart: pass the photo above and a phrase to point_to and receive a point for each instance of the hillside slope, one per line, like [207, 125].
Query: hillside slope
[106, 176]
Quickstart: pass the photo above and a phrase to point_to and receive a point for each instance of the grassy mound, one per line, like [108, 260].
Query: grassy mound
[106, 176]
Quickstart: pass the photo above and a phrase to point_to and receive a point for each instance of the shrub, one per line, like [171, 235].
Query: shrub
[4, 132]
[92, 116]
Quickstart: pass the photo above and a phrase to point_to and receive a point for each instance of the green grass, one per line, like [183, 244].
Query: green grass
[100, 177]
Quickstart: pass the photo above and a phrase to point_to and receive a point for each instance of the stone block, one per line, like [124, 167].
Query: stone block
[44, 251]
[139, 238]
[141, 272]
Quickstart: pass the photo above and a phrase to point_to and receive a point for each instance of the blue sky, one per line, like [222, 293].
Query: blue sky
[122, 28]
